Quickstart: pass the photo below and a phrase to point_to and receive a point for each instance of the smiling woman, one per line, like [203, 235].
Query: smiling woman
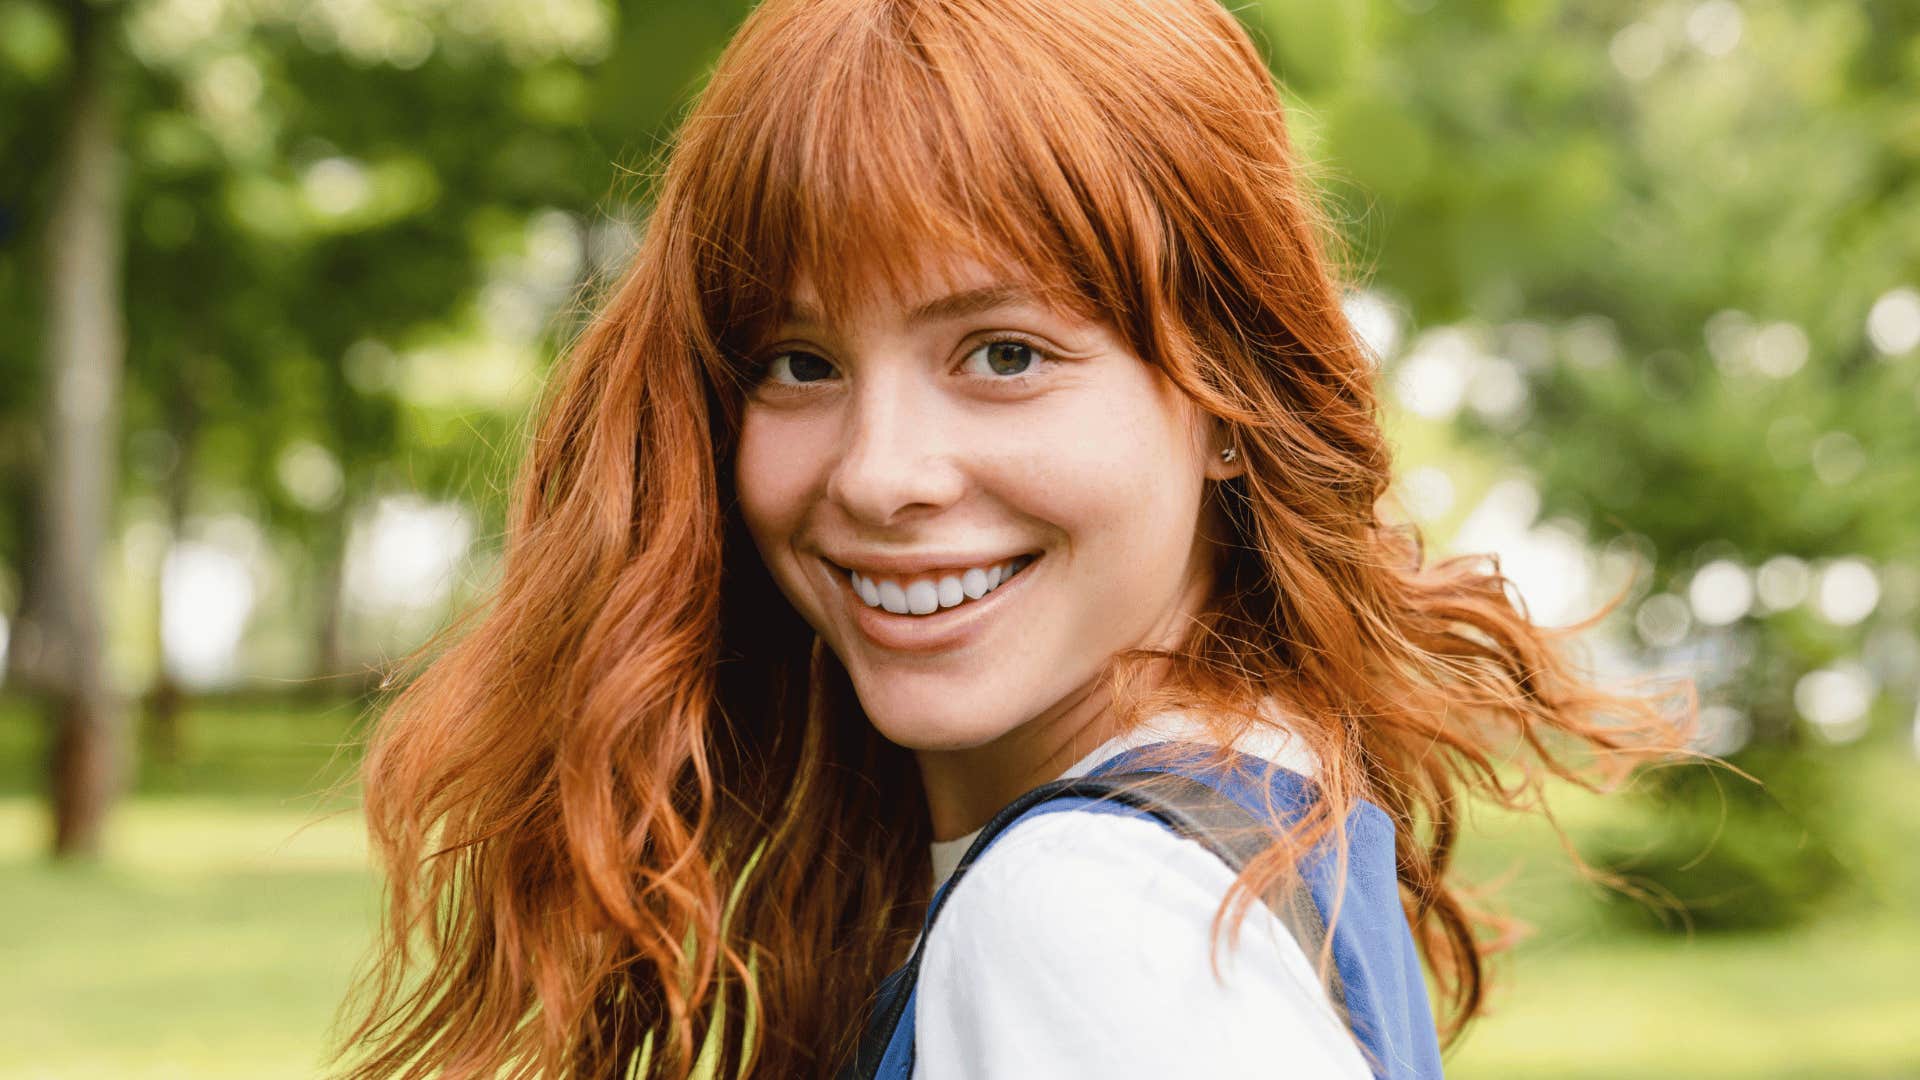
[952, 552]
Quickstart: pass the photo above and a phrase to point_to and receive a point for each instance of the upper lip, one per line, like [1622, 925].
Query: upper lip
[920, 562]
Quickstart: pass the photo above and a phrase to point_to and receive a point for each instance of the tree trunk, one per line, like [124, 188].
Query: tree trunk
[85, 346]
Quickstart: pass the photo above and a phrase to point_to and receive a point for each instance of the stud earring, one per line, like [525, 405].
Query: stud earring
[1229, 455]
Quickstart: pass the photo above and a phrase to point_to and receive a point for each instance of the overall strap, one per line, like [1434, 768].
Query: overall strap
[1187, 806]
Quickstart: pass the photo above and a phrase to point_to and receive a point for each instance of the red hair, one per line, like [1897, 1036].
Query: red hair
[631, 808]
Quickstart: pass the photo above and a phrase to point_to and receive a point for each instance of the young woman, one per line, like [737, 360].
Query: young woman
[978, 410]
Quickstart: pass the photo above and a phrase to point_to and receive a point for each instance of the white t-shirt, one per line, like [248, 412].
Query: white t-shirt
[1079, 945]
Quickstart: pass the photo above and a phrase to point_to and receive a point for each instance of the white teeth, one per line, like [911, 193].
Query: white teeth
[927, 595]
[893, 597]
[950, 591]
[923, 598]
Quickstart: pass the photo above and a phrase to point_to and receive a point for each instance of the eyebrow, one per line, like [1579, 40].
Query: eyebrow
[957, 305]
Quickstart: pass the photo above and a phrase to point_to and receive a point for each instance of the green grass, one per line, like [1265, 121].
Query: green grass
[214, 939]
[217, 934]
[219, 929]
[1838, 1000]
[1584, 998]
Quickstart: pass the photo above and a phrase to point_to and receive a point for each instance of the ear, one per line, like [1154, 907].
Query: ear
[1224, 457]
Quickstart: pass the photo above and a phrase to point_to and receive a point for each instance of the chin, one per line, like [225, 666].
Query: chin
[951, 723]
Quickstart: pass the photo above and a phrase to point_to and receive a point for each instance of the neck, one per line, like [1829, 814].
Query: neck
[966, 787]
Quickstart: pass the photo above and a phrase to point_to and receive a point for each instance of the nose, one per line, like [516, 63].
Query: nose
[898, 459]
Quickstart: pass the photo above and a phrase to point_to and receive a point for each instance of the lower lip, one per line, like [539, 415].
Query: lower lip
[939, 631]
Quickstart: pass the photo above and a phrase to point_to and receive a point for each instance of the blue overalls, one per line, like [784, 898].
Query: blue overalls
[1377, 966]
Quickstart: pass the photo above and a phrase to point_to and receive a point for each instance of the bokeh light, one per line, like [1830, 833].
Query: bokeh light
[1721, 592]
[1893, 324]
[1848, 591]
[1835, 701]
[1783, 582]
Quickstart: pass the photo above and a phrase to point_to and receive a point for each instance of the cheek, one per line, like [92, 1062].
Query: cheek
[773, 476]
[1114, 467]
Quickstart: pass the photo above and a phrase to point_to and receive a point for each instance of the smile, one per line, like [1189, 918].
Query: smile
[931, 611]
[929, 593]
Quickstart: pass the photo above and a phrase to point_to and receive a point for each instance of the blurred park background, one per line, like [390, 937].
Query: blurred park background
[279, 280]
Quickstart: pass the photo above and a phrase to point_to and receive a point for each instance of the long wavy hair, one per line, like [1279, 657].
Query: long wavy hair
[630, 814]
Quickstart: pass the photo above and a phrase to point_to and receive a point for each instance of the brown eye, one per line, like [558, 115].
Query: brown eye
[1006, 357]
[798, 367]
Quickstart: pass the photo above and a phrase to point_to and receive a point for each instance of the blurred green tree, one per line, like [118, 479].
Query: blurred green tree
[1692, 230]
[308, 193]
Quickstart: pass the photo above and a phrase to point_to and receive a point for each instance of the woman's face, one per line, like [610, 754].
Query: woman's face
[975, 499]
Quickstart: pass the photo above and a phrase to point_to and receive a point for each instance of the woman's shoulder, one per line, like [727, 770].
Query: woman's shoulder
[1063, 882]
[1047, 867]
[1086, 938]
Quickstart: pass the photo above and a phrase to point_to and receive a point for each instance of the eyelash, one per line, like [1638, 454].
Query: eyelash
[1043, 356]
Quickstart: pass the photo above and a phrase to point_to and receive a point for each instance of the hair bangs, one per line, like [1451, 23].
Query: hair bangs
[862, 161]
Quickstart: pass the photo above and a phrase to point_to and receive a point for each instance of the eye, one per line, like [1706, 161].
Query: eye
[796, 367]
[1005, 357]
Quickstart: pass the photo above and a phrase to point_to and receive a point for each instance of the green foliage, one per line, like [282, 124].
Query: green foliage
[329, 220]
[1674, 220]
[1729, 855]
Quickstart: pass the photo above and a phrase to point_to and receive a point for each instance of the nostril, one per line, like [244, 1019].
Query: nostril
[878, 481]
